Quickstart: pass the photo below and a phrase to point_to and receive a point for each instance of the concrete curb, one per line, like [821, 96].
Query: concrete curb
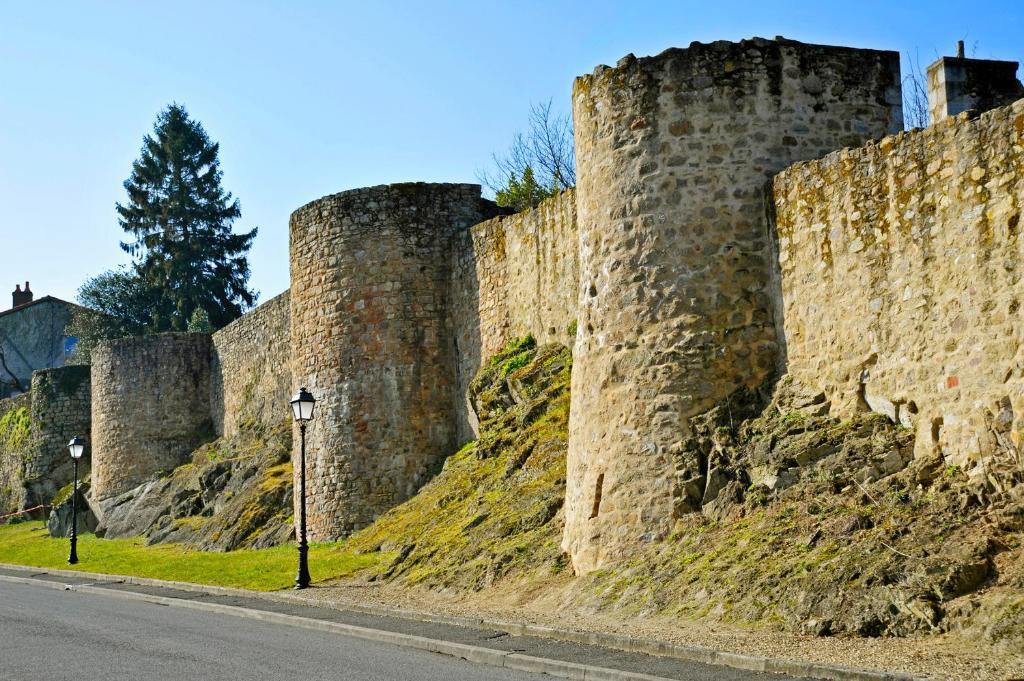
[616, 641]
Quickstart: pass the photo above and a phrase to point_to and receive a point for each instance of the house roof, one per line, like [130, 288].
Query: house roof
[44, 299]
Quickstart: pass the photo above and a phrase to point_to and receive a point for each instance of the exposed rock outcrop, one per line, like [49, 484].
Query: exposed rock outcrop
[828, 526]
[236, 492]
[59, 522]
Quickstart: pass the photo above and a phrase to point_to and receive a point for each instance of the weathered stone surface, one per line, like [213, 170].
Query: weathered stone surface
[923, 317]
[370, 339]
[675, 307]
[512, 276]
[250, 375]
[493, 513]
[802, 537]
[61, 409]
[34, 432]
[15, 448]
[235, 492]
[150, 407]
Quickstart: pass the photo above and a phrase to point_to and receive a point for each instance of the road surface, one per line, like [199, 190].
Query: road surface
[50, 635]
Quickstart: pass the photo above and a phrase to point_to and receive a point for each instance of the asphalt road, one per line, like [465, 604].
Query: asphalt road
[51, 635]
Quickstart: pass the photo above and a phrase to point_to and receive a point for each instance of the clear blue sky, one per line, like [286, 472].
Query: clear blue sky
[310, 98]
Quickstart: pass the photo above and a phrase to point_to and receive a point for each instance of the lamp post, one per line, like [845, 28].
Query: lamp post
[75, 447]
[302, 410]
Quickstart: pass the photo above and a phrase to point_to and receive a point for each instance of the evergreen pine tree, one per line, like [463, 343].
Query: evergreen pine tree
[521, 194]
[180, 219]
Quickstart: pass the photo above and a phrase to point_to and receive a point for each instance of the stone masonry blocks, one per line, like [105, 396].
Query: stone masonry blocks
[250, 374]
[150, 407]
[61, 400]
[512, 276]
[370, 340]
[675, 307]
[902, 284]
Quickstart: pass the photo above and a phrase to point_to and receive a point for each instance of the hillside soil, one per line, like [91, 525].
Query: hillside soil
[816, 537]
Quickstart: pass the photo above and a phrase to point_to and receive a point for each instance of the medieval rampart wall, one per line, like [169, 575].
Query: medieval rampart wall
[902, 266]
[512, 276]
[676, 313]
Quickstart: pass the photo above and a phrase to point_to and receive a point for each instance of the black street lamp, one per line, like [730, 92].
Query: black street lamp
[75, 447]
[302, 410]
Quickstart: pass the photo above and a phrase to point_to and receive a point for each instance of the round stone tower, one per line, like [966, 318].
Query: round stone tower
[369, 273]
[150, 407]
[676, 305]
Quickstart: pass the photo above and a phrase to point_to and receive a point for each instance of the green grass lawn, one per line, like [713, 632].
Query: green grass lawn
[29, 543]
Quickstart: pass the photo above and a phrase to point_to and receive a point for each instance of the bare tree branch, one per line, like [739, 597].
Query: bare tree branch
[14, 379]
[546, 148]
[915, 94]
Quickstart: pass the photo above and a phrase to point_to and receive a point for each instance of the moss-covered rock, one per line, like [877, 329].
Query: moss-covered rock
[235, 493]
[823, 526]
[59, 522]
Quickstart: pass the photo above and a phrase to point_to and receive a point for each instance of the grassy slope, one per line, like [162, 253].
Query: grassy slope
[829, 554]
[495, 509]
[264, 570]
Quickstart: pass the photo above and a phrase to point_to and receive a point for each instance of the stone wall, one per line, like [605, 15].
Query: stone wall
[250, 375]
[902, 268]
[512, 276]
[673, 155]
[34, 432]
[15, 448]
[370, 339]
[61, 409]
[150, 407]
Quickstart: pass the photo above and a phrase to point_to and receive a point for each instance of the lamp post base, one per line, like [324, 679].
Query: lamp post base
[302, 579]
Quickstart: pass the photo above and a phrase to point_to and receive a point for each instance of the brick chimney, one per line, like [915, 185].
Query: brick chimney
[956, 84]
[22, 297]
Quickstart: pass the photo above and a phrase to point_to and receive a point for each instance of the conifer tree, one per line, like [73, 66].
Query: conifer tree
[524, 193]
[179, 218]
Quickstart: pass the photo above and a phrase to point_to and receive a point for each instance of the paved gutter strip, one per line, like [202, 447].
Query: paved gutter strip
[481, 633]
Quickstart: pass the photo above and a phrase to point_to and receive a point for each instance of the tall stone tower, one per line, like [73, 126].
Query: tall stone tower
[150, 407]
[369, 277]
[676, 301]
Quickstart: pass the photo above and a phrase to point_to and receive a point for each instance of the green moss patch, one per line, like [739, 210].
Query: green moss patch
[495, 511]
[15, 429]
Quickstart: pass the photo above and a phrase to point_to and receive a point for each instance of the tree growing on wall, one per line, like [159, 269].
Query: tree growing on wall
[540, 162]
[180, 221]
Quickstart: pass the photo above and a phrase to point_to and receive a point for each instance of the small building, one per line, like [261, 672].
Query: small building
[32, 336]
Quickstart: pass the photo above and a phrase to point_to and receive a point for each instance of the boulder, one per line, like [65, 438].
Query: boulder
[59, 523]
